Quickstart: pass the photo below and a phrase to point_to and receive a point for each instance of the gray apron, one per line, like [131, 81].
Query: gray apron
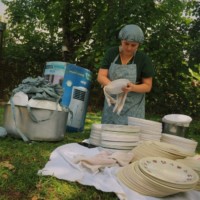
[135, 102]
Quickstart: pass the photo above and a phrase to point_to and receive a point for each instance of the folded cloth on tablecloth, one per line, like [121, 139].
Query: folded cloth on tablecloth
[103, 159]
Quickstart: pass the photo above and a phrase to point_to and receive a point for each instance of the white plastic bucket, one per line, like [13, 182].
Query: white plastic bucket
[176, 124]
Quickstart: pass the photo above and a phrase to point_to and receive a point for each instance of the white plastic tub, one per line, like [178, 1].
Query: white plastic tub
[176, 124]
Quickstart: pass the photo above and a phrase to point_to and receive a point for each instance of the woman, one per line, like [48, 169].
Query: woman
[127, 62]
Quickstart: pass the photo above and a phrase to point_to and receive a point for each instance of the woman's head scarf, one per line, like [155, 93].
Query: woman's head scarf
[132, 33]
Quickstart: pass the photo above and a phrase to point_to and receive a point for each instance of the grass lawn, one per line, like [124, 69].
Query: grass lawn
[20, 162]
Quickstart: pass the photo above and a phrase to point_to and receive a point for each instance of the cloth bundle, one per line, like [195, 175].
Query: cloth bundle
[103, 159]
[115, 88]
[39, 88]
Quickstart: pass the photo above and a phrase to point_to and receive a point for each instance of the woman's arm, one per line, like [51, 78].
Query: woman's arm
[144, 87]
[102, 77]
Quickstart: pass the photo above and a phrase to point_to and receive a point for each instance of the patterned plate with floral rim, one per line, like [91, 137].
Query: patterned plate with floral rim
[168, 170]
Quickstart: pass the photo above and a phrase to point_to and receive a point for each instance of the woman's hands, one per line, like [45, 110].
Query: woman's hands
[144, 87]
[129, 88]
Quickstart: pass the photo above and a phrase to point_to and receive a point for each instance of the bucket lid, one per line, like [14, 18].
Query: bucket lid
[177, 119]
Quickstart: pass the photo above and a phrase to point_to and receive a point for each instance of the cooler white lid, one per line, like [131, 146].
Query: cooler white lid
[177, 119]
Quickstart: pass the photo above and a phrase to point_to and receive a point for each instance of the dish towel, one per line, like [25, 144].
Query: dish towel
[103, 159]
[115, 88]
[39, 88]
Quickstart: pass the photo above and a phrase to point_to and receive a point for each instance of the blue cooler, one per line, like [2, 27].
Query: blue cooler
[76, 85]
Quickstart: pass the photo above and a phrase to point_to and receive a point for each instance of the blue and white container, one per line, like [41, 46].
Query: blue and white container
[76, 85]
[54, 71]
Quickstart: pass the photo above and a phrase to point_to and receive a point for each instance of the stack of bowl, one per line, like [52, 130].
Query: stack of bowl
[158, 177]
[150, 130]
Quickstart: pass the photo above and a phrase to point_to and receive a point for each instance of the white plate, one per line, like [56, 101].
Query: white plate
[94, 142]
[150, 136]
[111, 143]
[147, 148]
[146, 139]
[96, 127]
[120, 128]
[171, 148]
[191, 162]
[118, 133]
[187, 148]
[156, 185]
[110, 150]
[144, 121]
[113, 136]
[144, 127]
[168, 170]
[95, 137]
[146, 131]
[131, 178]
[95, 132]
[118, 139]
[117, 147]
[115, 87]
[179, 139]
[137, 183]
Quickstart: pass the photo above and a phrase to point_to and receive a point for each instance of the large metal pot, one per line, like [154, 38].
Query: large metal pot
[52, 129]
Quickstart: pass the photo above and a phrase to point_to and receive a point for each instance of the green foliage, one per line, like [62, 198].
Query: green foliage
[195, 37]
[194, 74]
[37, 30]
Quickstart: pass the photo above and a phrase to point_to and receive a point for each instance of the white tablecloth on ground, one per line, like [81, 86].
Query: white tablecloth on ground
[61, 166]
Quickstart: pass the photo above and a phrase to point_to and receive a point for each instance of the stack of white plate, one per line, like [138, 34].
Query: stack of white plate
[189, 145]
[95, 134]
[158, 177]
[119, 137]
[193, 163]
[150, 130]
[147, 135]
[160, 149]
